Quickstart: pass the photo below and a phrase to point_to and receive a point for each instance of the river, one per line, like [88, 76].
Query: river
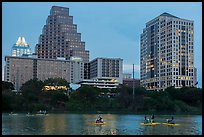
[82, 124]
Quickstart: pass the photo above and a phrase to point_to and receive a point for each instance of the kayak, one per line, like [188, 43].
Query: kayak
[149, 124]
[170, 124]
[100, 123]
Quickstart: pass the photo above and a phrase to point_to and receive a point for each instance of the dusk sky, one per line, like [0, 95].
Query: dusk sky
[109, 29]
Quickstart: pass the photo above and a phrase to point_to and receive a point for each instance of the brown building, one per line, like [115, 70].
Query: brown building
[129, 82]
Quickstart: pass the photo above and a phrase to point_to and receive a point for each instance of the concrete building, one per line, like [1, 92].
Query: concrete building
[21, 48]
[129, 82]
[18, 70]
[104, 83]
[107, 68]
[77, 69]
[167, 53]
[60, 38]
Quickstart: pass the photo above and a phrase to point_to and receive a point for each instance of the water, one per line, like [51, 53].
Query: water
[81, 124]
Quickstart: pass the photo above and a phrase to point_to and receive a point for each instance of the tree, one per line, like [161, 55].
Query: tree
[86, 96]
[31, 90]
[7, 85]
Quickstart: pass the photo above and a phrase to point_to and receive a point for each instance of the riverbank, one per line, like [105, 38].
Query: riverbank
[114, 112]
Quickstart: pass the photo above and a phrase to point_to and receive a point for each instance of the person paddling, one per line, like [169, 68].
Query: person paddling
[170, 120]
[100, 119]
[152, 118]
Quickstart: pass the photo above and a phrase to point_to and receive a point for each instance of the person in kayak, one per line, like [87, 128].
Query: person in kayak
[100, 119]
[152, 118]
[146, 119]
[170, 121]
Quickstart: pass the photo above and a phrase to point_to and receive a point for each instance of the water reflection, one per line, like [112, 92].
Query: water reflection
[81, 124]
[54, 124]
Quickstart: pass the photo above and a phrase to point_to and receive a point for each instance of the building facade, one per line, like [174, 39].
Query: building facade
[18, 70]
[60, 38]
[21, 48]
[167, 53]
[129, 82]
[107, 68]
[87, 70]
[77, 69]
[103, 83]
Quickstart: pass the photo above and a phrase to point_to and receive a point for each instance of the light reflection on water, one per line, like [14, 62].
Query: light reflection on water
[81, 124]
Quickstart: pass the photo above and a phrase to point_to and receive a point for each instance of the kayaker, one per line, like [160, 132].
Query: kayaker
[170, 120]
[100, 119]
[146, 119]
[152, 118]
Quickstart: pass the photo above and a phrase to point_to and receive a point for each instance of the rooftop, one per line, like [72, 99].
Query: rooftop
[168, 15]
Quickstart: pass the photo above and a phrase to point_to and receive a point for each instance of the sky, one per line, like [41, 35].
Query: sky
[109, 29]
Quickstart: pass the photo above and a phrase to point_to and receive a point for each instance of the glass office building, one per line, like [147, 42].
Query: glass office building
[167, 53]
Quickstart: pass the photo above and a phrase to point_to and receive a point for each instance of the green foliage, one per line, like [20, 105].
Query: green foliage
[7, 99]
[88, 98]
[7, 86]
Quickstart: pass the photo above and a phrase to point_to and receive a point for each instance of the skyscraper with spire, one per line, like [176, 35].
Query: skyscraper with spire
[60, 38]
[21, 48]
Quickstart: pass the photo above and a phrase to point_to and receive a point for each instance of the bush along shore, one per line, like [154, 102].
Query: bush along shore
[88, 99]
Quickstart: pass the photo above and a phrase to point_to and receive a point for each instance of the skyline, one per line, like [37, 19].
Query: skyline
[100, 26]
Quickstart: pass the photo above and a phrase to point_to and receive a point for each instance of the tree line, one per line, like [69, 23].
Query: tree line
[185, 100]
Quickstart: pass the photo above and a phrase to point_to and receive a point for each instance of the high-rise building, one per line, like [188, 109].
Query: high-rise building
[60, 38]
[167, 53]
[107, 68]
[21, 48]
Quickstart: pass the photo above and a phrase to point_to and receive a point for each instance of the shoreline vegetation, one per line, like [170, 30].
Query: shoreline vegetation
[92, 100]
[107, 112]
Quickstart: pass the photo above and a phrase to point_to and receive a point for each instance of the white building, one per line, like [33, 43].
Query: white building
[107, 68]
[105, 83]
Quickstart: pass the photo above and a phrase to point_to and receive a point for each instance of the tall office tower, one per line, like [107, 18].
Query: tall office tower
[107, 68]
[166, 53]
[20, 48]
[60, 38]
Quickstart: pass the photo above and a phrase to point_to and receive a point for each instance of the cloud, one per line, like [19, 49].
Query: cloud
[129, 68]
